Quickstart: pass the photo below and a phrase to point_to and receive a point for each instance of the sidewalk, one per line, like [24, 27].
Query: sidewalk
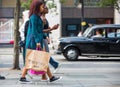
[75, 74]
[13, 76]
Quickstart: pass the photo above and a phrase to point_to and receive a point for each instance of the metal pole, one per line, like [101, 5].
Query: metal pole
[82, 15]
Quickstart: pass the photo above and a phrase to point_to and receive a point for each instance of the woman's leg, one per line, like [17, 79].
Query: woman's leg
[23, 78]
[51, 77]
[44, 77]
[24, 72]
[49, 73]
[52, 61]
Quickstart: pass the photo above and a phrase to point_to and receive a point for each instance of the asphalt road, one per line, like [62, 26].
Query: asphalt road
[81, 73]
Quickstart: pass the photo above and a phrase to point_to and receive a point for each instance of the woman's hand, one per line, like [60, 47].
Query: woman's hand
[38, 45]
[50, 29]
[55, 27]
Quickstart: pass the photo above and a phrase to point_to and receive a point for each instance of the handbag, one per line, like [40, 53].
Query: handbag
[37, 61]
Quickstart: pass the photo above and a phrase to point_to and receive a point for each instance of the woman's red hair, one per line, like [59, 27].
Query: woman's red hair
[35, 7]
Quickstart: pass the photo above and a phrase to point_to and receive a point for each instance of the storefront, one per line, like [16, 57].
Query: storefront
[71, 19]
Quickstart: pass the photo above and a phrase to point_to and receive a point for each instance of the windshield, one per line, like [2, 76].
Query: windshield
[85, 34]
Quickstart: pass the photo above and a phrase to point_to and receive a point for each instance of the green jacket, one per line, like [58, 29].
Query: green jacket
[35, 32]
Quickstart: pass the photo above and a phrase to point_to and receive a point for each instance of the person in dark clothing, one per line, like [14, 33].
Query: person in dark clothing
[54, 63]
[23, 32]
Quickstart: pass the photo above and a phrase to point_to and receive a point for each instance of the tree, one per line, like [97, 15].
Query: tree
[111, 3]
[16, 35]
[62, 1]
[26, 4]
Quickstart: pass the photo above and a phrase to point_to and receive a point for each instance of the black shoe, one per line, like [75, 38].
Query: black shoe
[2, 77]
[23, 79]
[55, 78]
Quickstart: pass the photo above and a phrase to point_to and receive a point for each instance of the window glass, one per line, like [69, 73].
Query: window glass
[113, 33]
[99, 32]
[118, 32]
[6, 30]
[71, 27]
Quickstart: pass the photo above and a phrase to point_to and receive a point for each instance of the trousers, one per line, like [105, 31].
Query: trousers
[52, 61]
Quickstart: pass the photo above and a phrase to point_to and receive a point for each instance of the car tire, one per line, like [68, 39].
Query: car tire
[71, 54]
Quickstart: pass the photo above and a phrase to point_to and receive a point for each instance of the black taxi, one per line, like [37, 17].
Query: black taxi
[108, 44]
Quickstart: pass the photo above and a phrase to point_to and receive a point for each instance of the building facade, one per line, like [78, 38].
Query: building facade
[93, 14]
[69, 16]
[7, 8]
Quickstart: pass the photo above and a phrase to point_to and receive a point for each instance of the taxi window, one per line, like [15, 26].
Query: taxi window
[99, 32]
[118, 33]
[112, 33]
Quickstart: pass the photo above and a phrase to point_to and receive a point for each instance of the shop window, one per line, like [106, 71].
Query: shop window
[71, 27]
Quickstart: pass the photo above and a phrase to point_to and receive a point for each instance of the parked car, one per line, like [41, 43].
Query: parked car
[87, 45]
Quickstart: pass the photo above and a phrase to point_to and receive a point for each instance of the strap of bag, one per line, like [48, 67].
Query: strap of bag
[38, 48]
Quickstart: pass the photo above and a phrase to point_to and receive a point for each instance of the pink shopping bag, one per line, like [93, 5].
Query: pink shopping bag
[34, 70]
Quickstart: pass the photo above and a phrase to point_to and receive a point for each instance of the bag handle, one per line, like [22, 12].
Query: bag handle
[38, 48]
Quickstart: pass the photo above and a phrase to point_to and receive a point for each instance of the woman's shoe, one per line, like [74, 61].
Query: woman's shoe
[23, 79]
[55, 78]
[2, 77]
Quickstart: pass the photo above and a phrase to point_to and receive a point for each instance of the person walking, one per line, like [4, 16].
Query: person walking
[46, 41]
[35, 35]
[22, 32]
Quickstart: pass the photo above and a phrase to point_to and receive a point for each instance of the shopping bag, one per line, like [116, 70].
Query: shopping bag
[33, 72]
[37, 60]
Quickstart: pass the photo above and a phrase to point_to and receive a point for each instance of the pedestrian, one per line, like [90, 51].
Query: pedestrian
[22, 32]
[35, 35]
[46, 41]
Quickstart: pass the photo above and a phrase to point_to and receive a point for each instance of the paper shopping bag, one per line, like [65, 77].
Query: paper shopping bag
[37, 60]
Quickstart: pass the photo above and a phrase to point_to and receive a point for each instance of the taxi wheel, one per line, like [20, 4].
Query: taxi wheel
[71, 53]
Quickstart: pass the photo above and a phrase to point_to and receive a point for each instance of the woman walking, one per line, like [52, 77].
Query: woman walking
[35, 35]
